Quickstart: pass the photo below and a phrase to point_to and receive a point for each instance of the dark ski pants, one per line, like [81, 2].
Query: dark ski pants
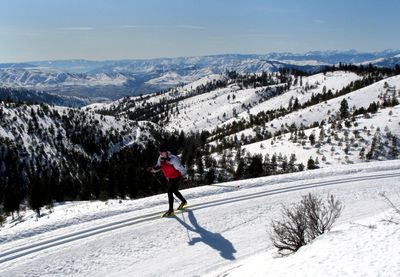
[173, 186]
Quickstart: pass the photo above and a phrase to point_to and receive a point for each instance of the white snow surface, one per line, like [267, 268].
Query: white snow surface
[224, 231]
[204, 112]
[325, 110]
[367, 247]
[208, 110]
[333, 153]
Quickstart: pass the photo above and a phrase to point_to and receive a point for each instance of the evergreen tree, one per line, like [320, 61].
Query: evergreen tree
[311, 164]
[312, 138]
[210, 176]
[394, 151]
[344, 109]
[255, 168]
[291, 164]
[240, 170]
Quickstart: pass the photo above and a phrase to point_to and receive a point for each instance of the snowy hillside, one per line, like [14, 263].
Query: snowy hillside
[334, 144]
[332, 132]
[230, 103]
[337, 146]
[42, 77]
[30, 96]
[111, 80]
[290, 120]
[22, 123]
[366, 247]
[206, 112]
[53, 154]
[224, 232]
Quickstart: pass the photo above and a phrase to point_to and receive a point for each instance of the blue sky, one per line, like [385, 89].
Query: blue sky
[118, 29]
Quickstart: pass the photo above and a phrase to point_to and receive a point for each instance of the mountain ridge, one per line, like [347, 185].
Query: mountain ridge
[110, 80]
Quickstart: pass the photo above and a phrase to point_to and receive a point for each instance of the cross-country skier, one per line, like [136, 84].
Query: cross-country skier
[174, 171]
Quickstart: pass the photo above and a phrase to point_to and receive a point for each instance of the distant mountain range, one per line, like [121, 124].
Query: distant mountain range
[94, 81]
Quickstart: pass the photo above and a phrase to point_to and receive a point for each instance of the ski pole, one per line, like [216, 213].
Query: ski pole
[155, 177]
[158, 180]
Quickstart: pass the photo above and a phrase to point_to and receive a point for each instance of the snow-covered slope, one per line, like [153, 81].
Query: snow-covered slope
[218, 107]
[224, 226]
[337, 146]
[52, 129]
[206, 112]
[365, 247]
[110, 80]
[331, 148]
[42, 78]
[31, 96]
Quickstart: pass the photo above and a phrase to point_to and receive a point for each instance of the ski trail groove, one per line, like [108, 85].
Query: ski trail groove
[60, 240]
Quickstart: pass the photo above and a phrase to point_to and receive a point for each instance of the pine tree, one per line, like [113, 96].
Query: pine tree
[240, 170]
[344, 109]
[394, 151]
[291, 164]
[210, 176]
[312, 138]
[311, 164]
[255, 169]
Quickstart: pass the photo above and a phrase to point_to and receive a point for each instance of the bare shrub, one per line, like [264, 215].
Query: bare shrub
[304, 221]
[393, 219]
[289, 234]
[320, 215]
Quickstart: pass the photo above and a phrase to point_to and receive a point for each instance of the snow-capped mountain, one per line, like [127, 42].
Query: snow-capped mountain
[110, 80]
[95, 87]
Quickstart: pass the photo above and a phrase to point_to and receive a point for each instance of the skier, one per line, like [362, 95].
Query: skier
[173, 171]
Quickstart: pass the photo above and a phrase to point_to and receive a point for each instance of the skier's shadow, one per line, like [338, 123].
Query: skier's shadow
[214, 240]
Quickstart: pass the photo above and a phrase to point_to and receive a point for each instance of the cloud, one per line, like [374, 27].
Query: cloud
[141, 26]
[191, 27]
[76, 28]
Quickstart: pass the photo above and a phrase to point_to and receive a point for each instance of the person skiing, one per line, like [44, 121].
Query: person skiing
[173, 171]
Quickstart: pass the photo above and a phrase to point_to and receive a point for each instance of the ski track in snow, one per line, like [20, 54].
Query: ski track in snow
[221, 226]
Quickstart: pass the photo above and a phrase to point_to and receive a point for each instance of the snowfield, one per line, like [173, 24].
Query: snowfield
[325, 110]
[224, 232]
[214, 108]
[368, 247]
[206, 111]
[333, 153]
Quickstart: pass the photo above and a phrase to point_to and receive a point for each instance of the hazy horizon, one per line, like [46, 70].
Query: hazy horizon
[101, 30]
[210, 55]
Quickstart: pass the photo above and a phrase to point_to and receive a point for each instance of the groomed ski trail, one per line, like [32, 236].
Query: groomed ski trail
[29, 249]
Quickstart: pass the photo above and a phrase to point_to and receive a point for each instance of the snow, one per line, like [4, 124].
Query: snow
[331, 80]
[367, 247]
[137, 134]
[44, 77]
[385, 119]
[225, 228]
[304, 62]
[205, 112]
[323, 111]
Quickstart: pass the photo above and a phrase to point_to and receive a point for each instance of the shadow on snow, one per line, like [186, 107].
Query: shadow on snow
[214, 240]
